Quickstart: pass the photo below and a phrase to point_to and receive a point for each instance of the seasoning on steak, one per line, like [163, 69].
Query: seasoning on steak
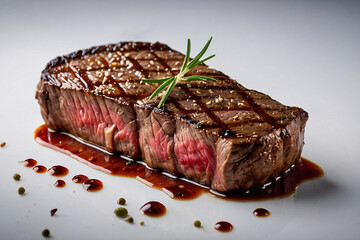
[219, 134]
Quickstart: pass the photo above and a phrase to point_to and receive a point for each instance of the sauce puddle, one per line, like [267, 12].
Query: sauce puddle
[176, 188]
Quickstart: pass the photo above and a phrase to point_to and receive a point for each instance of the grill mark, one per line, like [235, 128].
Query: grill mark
[137, 67]
[219, 77]
[178, 106]
[256, 108]
[83, 75]
[123, 92]
[234, 123]
[166, 66]
[78, 75]
[162, 61]
[144, 70]
[205, 109]
[240, 122]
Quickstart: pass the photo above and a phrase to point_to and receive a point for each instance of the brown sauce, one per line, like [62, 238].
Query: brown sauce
[60, 183]
[39, 169]
[58, 171]
[153, 209]
[175, 187]
[53, 211]
[79, 178]
[92, 185]
[261, 212]
[29, 163]
[223, 226]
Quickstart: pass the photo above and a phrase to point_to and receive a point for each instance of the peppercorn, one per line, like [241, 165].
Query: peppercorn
[21, 190]
[17, 177]
[46, 233]
[197, 223]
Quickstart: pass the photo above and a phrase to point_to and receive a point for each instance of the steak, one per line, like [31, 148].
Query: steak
[219, 134]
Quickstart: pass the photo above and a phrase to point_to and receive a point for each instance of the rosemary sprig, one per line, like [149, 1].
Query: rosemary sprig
[170, 82]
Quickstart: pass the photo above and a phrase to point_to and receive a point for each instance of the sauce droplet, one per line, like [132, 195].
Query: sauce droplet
[53, 211]
[60, 183]
[29, 163]
[223, 226]
[261, 212]
[39, 169]
[153, 209]
[79, 178]
[92, 185]
[58, 171]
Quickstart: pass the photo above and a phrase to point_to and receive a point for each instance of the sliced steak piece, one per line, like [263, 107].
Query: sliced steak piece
[217, 133]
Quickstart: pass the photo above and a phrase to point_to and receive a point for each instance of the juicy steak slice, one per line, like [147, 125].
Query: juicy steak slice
[219, 134]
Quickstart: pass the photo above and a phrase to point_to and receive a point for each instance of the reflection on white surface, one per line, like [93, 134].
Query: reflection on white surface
[302, 53]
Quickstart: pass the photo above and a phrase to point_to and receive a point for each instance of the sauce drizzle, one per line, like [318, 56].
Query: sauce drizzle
[176, 188]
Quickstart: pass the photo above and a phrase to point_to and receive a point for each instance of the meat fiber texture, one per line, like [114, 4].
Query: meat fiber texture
[219, 134]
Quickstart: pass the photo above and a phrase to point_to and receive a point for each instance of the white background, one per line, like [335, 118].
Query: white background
[302, 53]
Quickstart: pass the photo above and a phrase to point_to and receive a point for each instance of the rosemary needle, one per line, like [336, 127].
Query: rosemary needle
[170, 82]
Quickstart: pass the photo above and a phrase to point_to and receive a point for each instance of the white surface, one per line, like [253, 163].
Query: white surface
[302, 53]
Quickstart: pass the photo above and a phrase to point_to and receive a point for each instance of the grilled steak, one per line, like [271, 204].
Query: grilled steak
[219, 134]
